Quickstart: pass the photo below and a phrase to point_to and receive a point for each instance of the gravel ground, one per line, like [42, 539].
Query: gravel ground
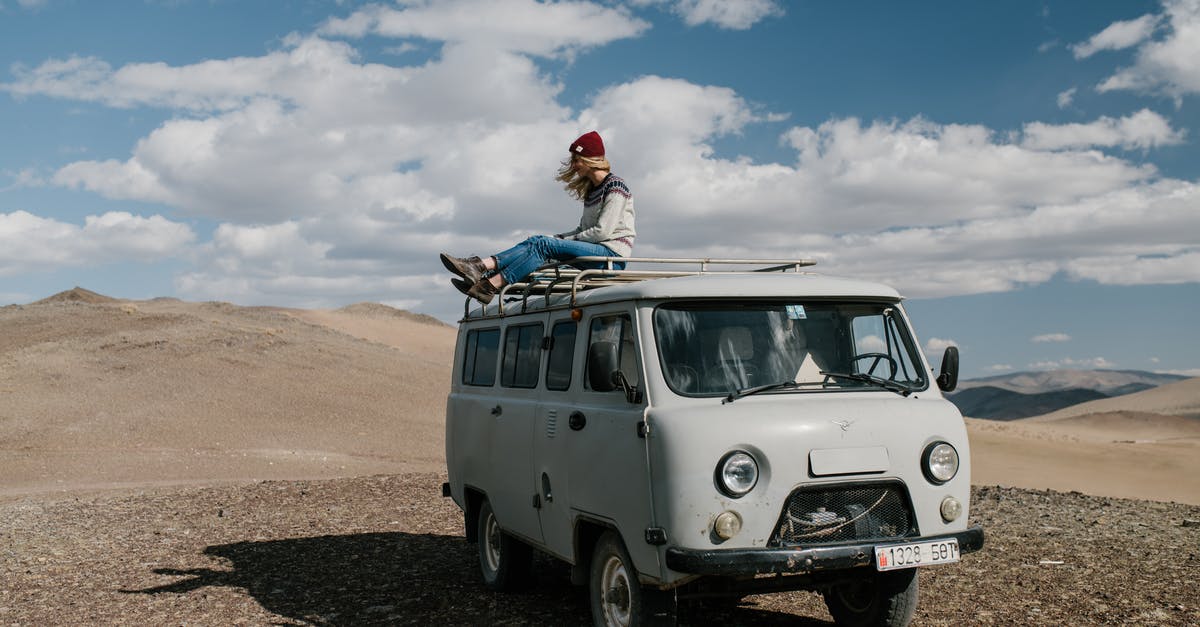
[390, 550]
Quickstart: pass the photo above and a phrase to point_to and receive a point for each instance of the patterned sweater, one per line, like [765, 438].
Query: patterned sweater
[607, 217]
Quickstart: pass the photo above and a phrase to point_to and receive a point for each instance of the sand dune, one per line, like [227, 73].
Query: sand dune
[1144, 445]
[101, 393]
[1100, 455]
[1181, 398]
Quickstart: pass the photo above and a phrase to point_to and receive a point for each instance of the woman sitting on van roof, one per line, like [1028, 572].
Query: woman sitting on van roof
[605, 230]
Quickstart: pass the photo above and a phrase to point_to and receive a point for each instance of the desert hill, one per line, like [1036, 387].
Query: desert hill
[1181, 398]
[1144, 445]
[77, 295]
[101, 392]
[1025, 394]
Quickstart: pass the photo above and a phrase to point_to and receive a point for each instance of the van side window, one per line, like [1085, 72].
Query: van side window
[479, 358]
[562, 352]
[617, 329]
[522, 356]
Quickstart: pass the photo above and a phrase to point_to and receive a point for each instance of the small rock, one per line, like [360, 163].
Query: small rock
[1188, 522]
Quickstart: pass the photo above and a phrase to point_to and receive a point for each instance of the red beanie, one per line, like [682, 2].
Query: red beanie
[588, 145]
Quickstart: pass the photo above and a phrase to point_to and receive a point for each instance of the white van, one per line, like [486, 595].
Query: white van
[713, 429]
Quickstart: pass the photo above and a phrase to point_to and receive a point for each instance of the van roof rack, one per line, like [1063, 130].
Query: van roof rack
[558, 279]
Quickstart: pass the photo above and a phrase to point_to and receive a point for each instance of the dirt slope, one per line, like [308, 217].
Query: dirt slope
[98, 393]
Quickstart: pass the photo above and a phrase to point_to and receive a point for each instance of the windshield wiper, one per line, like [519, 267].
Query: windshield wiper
[887, 384]
[733, 396]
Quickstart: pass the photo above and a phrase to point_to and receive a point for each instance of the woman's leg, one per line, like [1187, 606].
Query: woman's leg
[517, 262]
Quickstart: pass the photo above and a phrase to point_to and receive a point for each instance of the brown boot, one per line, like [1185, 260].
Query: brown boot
[470, 269]
[461, 286]
[483, 291]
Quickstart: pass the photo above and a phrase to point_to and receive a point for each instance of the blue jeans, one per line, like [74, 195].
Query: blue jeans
[517, 262]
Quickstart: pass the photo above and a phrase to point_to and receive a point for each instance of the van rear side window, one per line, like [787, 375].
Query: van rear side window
[479, 357]
[562, 350]
[522, 356]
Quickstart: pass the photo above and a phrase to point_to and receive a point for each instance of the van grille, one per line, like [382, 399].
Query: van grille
[845, 513]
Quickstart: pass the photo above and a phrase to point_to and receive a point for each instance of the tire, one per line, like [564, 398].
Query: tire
[504, 560]
[617, 599]
[884, 600]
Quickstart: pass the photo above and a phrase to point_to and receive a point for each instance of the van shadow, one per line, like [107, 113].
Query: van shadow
[402, 578]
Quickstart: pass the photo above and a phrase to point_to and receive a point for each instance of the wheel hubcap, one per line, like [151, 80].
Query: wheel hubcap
[493, 543]
[614, 586]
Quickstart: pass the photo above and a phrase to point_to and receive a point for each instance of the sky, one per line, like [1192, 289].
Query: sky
[1026, 173]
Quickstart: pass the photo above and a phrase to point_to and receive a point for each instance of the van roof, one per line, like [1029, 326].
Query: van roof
[561, 287]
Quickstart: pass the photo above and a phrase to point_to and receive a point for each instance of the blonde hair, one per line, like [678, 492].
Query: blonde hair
[576, 185]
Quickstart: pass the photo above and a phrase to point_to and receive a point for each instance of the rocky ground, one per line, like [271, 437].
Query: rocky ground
[390, 550]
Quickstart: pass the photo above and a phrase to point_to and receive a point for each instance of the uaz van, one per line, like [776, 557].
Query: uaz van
[714, 429]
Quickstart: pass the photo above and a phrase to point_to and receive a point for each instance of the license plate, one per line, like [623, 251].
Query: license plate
[897, 556]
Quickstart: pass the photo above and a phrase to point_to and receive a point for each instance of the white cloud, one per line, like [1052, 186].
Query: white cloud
[31, 243]
[935, 345]
[999, 368]
[1051, 337]
[1067, 362]
[333, 178]
[1169, 64]
[524, 26]
[1065, 98]
[1138, 270]
[871, 344]
[1144, 129]
[1118, 35]
[737, 15]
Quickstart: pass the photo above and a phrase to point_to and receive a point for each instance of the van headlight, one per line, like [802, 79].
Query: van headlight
[940, 462]
[737, 473]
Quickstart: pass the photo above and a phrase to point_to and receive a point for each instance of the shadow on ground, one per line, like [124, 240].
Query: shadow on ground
[399, 578]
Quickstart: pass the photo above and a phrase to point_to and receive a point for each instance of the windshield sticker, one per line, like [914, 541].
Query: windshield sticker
[796, 312]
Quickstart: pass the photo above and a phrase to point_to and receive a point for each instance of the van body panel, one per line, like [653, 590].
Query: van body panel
[510, 480]
[551, 461]
[609, 477]
[848, 461]
[688, 442]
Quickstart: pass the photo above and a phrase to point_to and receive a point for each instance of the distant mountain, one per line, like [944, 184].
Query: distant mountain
[1026, 394]
[1181, 398]
[996, 403]
[1110, 382]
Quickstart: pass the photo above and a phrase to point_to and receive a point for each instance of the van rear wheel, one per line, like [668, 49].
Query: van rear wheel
[504, 560]
[884, 600]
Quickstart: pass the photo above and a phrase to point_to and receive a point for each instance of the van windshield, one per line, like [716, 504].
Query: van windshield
[718, 348]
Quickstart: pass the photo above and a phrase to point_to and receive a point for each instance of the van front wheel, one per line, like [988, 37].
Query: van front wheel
[504, 560]
[883, 600]
[617, 599]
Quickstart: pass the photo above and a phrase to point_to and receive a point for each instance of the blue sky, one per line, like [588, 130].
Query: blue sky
[1025, 172]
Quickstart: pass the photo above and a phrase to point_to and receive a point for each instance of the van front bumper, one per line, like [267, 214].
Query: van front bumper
[766, 561]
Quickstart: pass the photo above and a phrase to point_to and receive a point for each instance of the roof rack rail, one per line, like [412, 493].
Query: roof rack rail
[558, 279]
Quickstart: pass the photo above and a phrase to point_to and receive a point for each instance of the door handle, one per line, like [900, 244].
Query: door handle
[496, 411]
[577, 421]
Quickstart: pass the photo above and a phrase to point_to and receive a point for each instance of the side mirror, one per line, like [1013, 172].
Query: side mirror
[948, 379]
[602, 364]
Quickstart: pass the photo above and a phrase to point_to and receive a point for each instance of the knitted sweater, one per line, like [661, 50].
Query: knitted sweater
[607, 217]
